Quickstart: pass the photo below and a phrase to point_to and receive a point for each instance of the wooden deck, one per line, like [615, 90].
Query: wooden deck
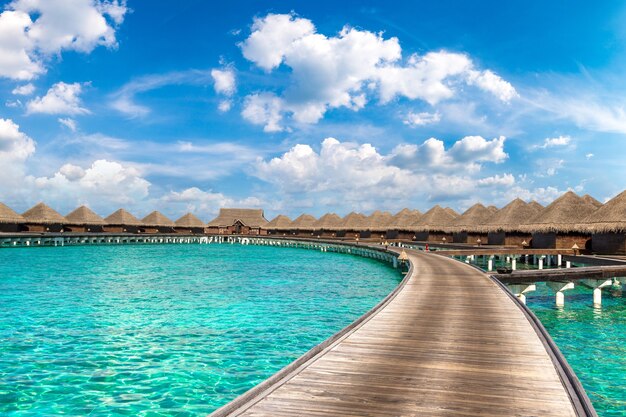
[450, 343]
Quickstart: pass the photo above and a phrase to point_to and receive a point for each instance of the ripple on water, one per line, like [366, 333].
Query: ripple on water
[166, 330]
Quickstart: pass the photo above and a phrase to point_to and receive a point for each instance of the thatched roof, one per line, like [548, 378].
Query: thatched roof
[354, 221]
[379, 220]
[611, 217]
[279, 222]
[303, 222]
[404, 219]
[42, 214]
[157, 219]
[248, 217]
[492, 209]
[123, 218]
[562, 215]
[83, 215]
[512, 217]
[189, 220]
[329, 221]
[9, 216]
[472, 219]
[591, 200]
[435, 219]
[535, 205]
[452, 212]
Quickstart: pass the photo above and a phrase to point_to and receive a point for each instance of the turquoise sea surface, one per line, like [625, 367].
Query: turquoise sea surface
[593, 340]
[166, 330]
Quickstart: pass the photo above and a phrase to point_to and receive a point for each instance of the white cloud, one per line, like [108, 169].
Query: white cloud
[347, 69]
[61, 98]
[205, 203]
[421, 119]
[554, 142]
[264, 109]
[24, 90]
[15, 148]
[225, 105]
[224, 81]
[32, 31]
[504, 179]
[69, 123]
[589, 156]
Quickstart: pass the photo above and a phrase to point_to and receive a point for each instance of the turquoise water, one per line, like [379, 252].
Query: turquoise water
[166, 330]
[593, 340]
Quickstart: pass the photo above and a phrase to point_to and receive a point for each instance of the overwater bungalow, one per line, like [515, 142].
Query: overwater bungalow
[303, 225]
[607, 226]
[156, 222]
[506, 226]
[327, 225]
[83, 219]
[279, 225]
[41, 218]
[189, 224]
[378, 223]
[435, 225]
[10, 221]
[400, 226]
[558, 225]
[466, 227]
[238, 222]
[354, 225]
[121, 221]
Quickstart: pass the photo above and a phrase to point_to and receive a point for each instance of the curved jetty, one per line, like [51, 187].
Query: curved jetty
[450, 342]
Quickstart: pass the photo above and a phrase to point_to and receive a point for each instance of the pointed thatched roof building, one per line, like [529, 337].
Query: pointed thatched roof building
[354, 221]
[379, 220]
[435, 219]
[404, 219]
[492, 208]
[190, 221]
[329, 221]
[280, 222]
[42, 214]
[84, 216]
[563, 215]
[7, 215]
[157, 219]
[609, 218]
[591, 200]
[512, 217]
[122, 217]
[303, 222]
[452, 212]
[247, 217]
[472, 219]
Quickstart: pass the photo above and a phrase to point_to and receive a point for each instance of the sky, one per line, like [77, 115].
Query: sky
[309, 107]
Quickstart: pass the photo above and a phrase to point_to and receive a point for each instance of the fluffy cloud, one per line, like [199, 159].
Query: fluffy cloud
[33, 30]
[224, 84]
[15, 148]
[504, 179]
[69, 123]
[61, 98]
[465, 155]
[421, 119]
[264, 109]
[554, 142]
[346, 70]
[24, 90]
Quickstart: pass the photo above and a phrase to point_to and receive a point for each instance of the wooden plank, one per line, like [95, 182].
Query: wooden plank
[450, 343]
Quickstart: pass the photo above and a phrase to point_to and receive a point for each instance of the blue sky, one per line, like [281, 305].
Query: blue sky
[309, 106]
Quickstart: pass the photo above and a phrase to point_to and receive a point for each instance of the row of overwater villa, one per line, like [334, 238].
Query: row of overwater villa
[571, 221]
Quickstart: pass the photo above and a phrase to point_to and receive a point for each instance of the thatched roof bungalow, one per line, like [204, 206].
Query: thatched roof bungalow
[589, 199]
[41, 218]
[279, 225]
[121, 221]
[239, 222]
[506, 226]
[607, 226]
[157, 222]
[466, 227]
[327, 225]
[10, 221]
[400, 225]
[303, 225]
[354, 225]
[435, 225]
[379, 221]
[83, 219]
[189, 224]
[558, 225]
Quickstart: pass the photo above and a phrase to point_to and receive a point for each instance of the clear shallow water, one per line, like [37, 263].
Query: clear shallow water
[592, 340]
[166, 330]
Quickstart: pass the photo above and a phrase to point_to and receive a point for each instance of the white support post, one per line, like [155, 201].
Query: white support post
[519, 290]
[596, 285]
[558, 288]
[559, 260]
[490, 265]
[540, 263]
[514, 264]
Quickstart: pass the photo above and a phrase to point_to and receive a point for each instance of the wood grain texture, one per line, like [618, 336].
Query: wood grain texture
[451, 343]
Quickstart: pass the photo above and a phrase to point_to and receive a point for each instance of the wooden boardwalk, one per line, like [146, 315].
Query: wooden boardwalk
[451, 343]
